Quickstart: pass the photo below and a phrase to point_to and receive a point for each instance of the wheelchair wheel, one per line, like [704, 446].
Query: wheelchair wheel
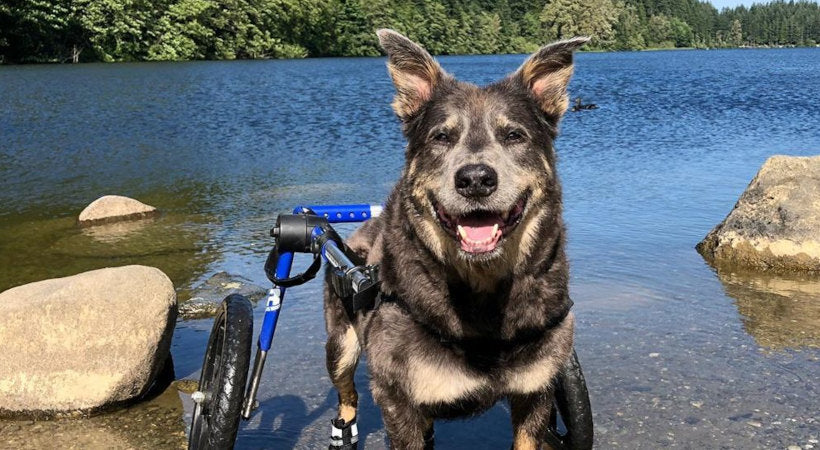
[224, 373]
[571, 417]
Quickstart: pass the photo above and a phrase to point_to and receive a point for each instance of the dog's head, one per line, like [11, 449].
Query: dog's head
[479, 179]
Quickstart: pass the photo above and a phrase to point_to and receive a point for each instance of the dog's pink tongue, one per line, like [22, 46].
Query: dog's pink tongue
[479, 234]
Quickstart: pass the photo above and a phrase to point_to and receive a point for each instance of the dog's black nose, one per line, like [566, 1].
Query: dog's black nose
[476, 180]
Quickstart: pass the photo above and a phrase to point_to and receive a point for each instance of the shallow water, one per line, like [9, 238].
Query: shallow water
[675, 353]
[155, 423]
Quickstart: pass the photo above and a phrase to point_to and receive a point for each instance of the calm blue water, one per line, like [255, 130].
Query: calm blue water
[674, 354]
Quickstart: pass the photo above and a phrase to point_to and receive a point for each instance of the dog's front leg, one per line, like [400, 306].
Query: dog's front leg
[343, 350]
[407, 428]
[530, 419]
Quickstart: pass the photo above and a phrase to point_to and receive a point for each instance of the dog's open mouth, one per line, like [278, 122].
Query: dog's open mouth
[480, 231]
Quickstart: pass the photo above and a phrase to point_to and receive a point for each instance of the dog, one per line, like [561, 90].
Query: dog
[470, 248]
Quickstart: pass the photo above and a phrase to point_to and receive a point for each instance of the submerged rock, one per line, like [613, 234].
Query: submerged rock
[114, 208]
[155, 424]
[206, 298]
[778, 310]
[84, 342]
[775, 223]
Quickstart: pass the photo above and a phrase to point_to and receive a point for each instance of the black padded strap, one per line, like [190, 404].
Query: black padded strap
[353, 302]
[296, 280]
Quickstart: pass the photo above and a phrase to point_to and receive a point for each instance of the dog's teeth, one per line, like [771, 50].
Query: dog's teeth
[461, 232]
[495, 230]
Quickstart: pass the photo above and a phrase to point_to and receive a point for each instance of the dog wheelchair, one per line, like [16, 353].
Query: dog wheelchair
[221, 398]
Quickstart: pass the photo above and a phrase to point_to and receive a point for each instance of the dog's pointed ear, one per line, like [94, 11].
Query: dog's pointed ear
[414, 72]
[547, 72]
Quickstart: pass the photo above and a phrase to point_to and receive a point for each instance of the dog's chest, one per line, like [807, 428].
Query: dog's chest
[443, 376]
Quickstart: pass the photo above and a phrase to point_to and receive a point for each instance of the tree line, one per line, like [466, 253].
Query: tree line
[138, 30]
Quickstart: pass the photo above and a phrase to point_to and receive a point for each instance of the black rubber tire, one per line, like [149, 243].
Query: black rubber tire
[224, 374]
[572, 408]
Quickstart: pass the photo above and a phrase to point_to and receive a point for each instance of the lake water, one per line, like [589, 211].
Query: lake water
[675, 354]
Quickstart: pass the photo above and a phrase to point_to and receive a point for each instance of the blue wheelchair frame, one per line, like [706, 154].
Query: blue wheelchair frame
[333, 214]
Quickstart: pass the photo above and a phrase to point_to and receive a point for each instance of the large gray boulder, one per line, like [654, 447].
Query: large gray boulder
[775, 223]
[114, 208]
[84, 342]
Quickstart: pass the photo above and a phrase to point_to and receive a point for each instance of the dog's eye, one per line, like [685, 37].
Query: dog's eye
[513, 137]
[441, 137]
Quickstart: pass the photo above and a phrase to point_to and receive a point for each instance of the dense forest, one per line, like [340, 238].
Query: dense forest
[136, 30]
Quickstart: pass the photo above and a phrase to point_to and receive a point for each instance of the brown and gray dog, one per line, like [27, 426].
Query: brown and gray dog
[471, 252]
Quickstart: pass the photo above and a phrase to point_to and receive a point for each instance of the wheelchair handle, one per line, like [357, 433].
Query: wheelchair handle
[307, 232]
[294, 232]
[359, 276]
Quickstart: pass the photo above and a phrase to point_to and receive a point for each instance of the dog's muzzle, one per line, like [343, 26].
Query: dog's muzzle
[480, 231]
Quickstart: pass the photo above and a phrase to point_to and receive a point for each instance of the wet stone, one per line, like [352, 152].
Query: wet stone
[113, 208]
[157, 423]
[206, 298]
[187, 386]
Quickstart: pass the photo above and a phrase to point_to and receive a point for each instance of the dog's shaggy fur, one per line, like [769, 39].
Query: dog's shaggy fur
[471, 247]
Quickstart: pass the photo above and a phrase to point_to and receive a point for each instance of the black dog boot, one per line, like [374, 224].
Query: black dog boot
[343, 436]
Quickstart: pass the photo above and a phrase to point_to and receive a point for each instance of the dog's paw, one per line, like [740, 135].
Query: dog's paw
[343, 435]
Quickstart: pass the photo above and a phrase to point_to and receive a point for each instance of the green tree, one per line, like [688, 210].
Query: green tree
[595, 18]
[123, 30]
[487, 31]
[531, 28]
[228, 29]
[117, 30]
[300, 27]
[680, 33]
[659, 31]
[184, 33]
[239, 30]
[40, 30]
[354, 36]
[629, 31]
[736, 34]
